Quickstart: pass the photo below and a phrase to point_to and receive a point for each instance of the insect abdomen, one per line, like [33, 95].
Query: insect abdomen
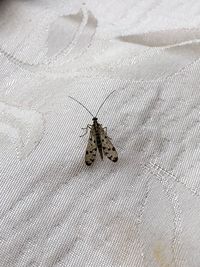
[98, 139]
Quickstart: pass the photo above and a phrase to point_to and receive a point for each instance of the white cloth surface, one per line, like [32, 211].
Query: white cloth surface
[144, 210]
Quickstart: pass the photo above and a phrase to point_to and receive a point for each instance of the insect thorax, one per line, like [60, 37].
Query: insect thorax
[96, 125]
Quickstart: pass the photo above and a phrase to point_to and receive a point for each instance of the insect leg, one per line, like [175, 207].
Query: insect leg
[88, 127]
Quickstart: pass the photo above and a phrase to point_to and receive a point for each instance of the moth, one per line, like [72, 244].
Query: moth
[98, 138]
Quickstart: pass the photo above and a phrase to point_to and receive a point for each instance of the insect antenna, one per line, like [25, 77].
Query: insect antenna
[104, 102]
[87, 108]
[81, 105]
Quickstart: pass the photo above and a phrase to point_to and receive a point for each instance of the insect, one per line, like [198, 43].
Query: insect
[98, 138]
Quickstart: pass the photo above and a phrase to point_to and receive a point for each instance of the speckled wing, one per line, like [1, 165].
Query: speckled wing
[91, 149]
[108, 148]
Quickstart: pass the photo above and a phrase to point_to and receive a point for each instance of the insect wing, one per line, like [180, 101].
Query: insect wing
[91, 149]
[108, 148]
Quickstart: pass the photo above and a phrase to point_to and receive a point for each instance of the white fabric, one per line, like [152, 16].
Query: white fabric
[143, 210]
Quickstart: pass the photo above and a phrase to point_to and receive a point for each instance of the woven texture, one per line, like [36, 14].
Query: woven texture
[144, 210]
